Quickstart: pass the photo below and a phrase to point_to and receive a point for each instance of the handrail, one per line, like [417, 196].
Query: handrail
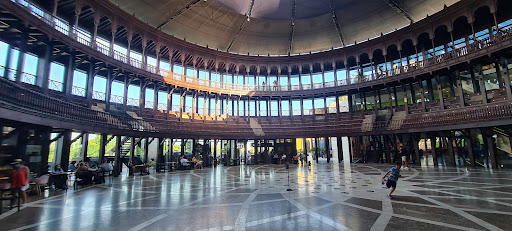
[19, 98]
[200, 84]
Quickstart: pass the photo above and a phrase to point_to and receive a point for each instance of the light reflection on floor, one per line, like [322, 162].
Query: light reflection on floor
[325, 197]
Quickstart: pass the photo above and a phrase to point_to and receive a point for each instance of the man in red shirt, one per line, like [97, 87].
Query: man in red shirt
[18, 183]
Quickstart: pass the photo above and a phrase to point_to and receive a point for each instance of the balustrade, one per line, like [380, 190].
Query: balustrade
[63, 27]
[55, 85]
[78, 91]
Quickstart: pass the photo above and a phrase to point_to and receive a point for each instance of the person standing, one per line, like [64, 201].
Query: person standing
[405, 153]
[19, 183]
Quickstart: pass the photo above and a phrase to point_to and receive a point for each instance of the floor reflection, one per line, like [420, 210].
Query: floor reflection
[325, 196]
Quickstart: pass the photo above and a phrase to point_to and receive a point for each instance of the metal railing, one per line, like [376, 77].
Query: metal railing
[55, 85]
[19, 98]
[195, 83]
[78, 91]
[98, 95]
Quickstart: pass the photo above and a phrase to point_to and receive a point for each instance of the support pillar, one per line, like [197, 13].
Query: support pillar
[117, 160]
[146, 149]
[450, 150]
[160, 154]
[103, 144]
[68, 78]
[327, 149]
[64, 145]
[483, 91]
[85, 144]
[340, 148]
[45, 148]
[317, 150]
[43, 67]
[506, 78]
[433, 141]
[440, 92]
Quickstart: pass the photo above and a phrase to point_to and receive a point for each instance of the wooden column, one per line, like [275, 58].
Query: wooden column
[422, 92]
[483, 91]
[117, 160]
[506, 78]
[317, 150]
[68, 78]
[450, 150]
[102, 150]
[43, 67]
[440, 92]
[327, 149]
[433, 141]
[340, 148]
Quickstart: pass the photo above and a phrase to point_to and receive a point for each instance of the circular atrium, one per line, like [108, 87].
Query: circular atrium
[255, 114]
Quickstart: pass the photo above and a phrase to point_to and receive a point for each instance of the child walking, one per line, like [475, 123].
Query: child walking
[394, 174]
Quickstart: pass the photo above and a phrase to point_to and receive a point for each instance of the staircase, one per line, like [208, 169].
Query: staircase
[367, 124]
[397, 120]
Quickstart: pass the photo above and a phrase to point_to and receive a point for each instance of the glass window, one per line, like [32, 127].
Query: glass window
[329, 76]
[271, 80]
[331, 104]
[251, 80]
[306, 79]
[343, 101]
[29, 69]
[165, 65]
[162, 100]
[150, 95]
[13, 65]
[296, 107]
[117, 92]
[99, 87]
[252, 107]
[317, 77]
[295, 80]
[212, 106]
[319, 106]
[261, 80]
[178, 69]
[4, 47]
[79, 83]
[121, 49]
[308, 106]
[133, 95]
[215, 77]
[283, 80]
[202, 74]
[230, 106]
[274, 108]
[263, 108]
[56, 77]
[188, 104]
[190, 72]
[341, 74]
[136, 56]
[151, 61]
[285, 107]
[175, 102]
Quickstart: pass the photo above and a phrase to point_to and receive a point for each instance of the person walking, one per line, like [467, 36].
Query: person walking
[394, 174]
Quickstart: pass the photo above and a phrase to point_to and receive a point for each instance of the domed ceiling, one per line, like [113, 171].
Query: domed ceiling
[279, 27]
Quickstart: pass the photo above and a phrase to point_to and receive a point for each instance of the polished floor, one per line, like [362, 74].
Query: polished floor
[324, 197]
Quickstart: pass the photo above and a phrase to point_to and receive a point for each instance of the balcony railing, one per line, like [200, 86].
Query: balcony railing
[78, 91]
[55, 85]
[21, 99]
[195, 83]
